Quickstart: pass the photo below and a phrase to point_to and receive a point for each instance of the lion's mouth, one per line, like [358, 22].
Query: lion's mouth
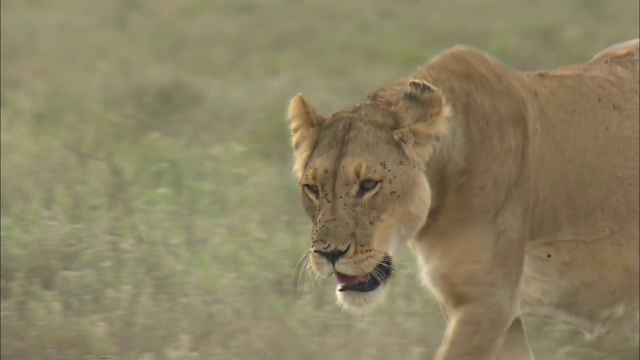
[367, 282]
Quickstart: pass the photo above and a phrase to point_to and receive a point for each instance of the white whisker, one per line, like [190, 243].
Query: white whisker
[303, 270]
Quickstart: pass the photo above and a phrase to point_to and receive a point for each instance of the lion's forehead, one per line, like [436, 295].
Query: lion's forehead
[351, 142]
[332, 171]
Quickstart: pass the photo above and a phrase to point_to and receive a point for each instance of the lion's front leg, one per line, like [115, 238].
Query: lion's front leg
[476, 274]
[515, 344]
[512, 344]
[476, 332]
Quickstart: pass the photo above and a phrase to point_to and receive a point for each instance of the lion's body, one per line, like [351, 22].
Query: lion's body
[573, 161]
[582, 260]
[530, 205]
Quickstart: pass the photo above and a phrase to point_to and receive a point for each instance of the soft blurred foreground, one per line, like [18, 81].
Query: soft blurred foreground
[148, 206]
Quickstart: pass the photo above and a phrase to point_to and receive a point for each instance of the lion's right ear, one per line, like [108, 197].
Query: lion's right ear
[304, 123]
[423, 113]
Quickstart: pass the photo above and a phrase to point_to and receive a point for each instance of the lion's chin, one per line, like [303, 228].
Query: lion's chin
[361, 302]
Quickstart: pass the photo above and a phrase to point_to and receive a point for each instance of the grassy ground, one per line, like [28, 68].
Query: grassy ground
[148, 208]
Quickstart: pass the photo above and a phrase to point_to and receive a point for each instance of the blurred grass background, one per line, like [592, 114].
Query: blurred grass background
[148, 206]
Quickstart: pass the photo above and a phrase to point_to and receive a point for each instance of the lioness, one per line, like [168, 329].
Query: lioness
[516, 191]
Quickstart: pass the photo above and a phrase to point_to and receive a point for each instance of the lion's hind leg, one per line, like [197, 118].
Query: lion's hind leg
[624, 48]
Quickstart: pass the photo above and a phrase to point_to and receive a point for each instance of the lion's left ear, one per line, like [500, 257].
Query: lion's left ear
[423, 112]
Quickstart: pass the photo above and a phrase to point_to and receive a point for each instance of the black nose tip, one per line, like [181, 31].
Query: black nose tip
[334, 255]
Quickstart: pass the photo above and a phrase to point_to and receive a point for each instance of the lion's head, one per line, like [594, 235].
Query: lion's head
[363, 183]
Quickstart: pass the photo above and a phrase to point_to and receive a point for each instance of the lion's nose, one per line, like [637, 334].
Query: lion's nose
[334, 255]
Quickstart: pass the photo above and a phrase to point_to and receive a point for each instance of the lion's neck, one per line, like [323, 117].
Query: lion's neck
[477, 163]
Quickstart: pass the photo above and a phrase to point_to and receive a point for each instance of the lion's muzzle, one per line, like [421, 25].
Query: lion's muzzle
[368, 282]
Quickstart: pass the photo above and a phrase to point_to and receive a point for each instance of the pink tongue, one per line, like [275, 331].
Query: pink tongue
[351, 280]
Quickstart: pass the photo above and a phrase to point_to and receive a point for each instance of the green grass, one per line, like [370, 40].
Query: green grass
[148, 206]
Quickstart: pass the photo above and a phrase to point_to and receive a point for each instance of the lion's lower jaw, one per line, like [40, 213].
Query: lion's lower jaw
[361, 302]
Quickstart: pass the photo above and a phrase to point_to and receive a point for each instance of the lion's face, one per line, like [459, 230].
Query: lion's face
[363, 190]
[364, 197]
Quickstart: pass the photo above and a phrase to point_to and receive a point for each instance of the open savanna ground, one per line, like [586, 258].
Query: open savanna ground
[148, 206]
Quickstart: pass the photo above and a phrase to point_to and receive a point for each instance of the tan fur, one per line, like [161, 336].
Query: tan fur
[517, 192]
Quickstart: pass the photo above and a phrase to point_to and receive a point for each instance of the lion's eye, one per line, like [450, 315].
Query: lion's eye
[311, 190]
[367, 186]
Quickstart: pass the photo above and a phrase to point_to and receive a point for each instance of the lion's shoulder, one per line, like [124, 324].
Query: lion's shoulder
[466, 61]
[457, 67]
